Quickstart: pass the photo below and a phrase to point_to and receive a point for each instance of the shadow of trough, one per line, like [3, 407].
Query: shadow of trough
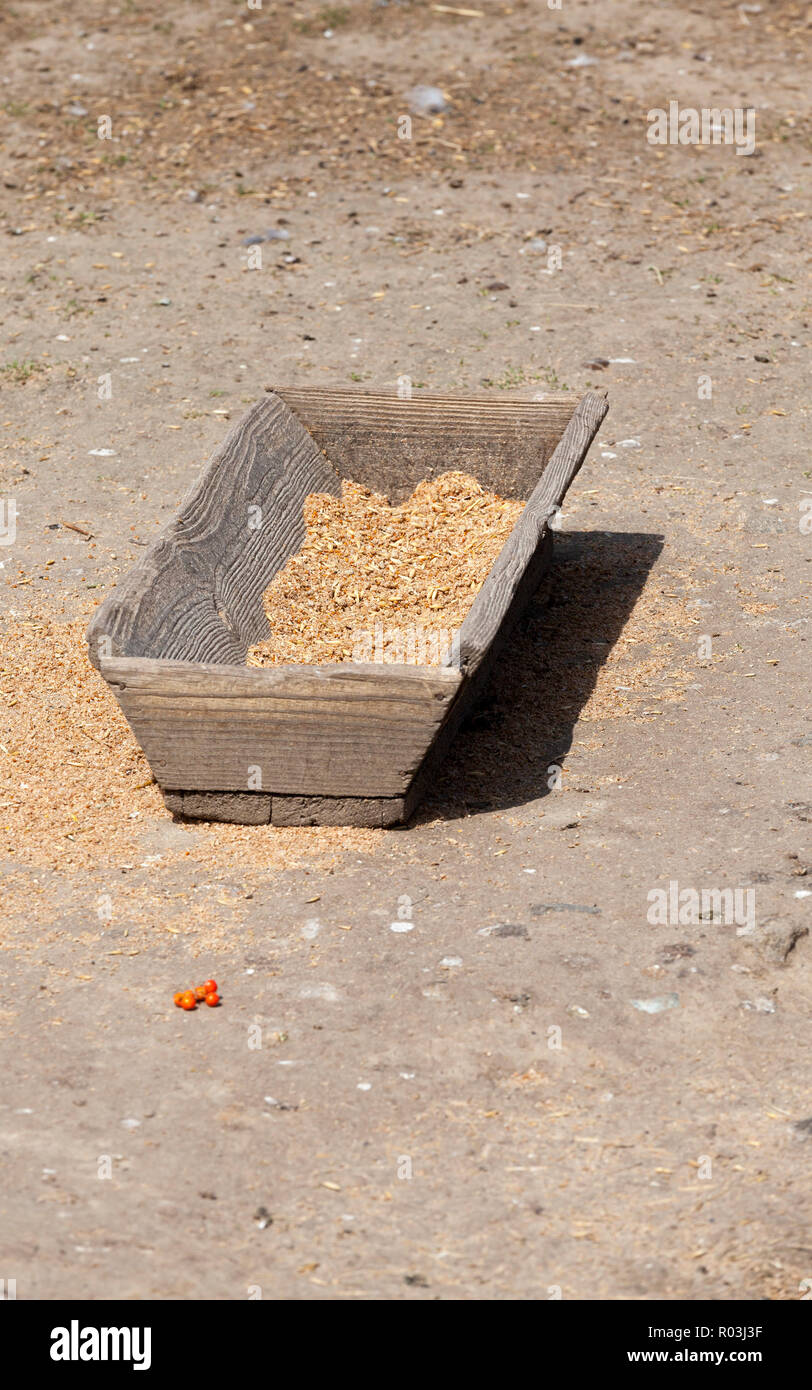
[525, 719]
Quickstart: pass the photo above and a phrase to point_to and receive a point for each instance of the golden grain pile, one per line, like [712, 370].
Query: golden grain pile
[369, 570]
[76, 792]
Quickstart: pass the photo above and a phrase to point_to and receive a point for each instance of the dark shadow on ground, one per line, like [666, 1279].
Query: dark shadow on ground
[524, 721]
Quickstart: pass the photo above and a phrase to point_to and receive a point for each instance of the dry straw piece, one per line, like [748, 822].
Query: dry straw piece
[366, 564]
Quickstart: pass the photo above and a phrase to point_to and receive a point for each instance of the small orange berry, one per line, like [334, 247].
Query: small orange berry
[187, 1000]
[213, 999]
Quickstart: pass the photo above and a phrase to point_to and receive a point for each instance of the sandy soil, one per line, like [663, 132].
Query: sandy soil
[485, 1114]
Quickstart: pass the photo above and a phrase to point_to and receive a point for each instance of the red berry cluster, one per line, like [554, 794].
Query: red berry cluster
[201, 994]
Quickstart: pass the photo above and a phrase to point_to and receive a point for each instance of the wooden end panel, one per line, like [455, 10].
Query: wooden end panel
[390, 445]
[310, 731]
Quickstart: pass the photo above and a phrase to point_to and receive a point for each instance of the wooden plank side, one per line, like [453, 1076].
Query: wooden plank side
[257, 808]
[237, 808]
[311, 752]
[390, 445]
[351, 680]
[314, 731]
[198, 593]
[476, 677]
[513, 576]
[377, 813]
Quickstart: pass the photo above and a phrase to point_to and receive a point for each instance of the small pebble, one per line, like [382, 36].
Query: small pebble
[657, 1005]
[426, 101]
[759, 1006]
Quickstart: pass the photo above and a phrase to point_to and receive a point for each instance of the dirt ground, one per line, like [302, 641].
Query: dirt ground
[591, 1104]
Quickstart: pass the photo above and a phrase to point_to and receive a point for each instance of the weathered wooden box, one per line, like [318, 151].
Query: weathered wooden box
[342, 744]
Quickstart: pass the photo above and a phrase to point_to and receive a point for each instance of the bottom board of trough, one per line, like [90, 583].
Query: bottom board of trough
[263, 808]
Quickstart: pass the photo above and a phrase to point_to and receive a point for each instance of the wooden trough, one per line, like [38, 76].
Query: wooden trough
[344, 743]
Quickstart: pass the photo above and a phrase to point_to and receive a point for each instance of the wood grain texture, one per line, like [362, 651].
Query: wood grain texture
[377, 813]
[341, 730]
[390, 445]
[258, 808]
[518, 567]
[238, 808]
[197, 596]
